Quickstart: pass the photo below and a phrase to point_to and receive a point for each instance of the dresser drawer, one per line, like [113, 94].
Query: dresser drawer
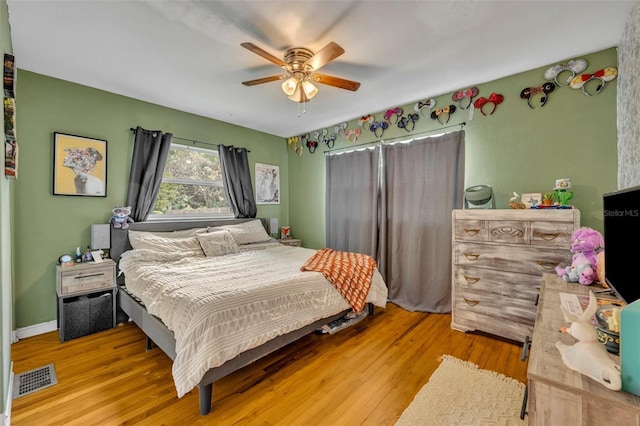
[511, 328]
[523, 259]
[78, 279]
[507, 284]
[551, 234]
[508, 231]
[470, 230]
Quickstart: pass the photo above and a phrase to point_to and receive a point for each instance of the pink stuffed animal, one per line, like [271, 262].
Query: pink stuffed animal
[586, 243]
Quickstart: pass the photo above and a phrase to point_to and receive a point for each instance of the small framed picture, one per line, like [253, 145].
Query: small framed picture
[285, 232]
[532, 199]
[79, 166]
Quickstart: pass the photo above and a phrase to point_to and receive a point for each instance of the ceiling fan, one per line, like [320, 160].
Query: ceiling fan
[301, 66]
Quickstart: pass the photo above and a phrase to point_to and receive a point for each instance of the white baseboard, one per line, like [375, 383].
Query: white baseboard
[34, 330]
[6, 416]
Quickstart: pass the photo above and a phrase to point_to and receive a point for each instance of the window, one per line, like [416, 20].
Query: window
[191, 185]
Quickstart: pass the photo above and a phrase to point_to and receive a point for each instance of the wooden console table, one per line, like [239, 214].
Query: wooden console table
[557, 394]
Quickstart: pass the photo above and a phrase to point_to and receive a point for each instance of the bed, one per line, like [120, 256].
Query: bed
[165, 288]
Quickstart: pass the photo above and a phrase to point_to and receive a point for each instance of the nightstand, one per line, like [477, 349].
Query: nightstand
[86, 298]
[291, 242]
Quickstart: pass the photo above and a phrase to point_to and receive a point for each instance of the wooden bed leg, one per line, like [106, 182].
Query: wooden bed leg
[205, 392]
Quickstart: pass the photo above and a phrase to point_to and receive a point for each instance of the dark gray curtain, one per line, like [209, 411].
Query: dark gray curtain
[150, 152]
[352, 201]
[236, 179]
[422, 183]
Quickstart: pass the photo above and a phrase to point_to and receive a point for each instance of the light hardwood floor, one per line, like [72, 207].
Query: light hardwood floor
[366, 374]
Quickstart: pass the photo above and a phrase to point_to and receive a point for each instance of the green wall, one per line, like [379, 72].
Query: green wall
[516, 149]
[47, 225]
[5, 245]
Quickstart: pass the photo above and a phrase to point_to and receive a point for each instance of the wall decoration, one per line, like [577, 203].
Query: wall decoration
[312, 146]
[442, 115]
[378, 128]
[574, 66]
[469, 94]
[340, 129]
[543, 90]
[392, 115]
[366, 121]
[494, 99]
[409, 122]
[422, 106]
[267, 184]
[9, 104]
[604, 75]
[79, 165]
[352, 135]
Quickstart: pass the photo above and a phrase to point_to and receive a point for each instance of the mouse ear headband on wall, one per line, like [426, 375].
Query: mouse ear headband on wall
[442, 115]
[409, 122]
[469, 94]
[494, 99]
[392, 115]
[574, 66]
[543, 90]
[421, 107]
[604, 75]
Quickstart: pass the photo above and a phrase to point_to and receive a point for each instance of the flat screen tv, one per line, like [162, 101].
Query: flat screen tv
[621, 231]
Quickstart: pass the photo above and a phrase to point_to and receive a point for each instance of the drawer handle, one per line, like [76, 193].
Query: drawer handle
[470, 302]
[81, 277]
[471, 256]
[549, 266]
[471, 280]
[472, 232]
[548, 236]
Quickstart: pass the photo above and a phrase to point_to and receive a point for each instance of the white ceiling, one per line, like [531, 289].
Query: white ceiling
[187, 55]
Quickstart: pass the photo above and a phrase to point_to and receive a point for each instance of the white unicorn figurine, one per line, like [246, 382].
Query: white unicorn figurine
[588, 356]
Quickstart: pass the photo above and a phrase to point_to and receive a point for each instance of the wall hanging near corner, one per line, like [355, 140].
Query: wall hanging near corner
[79, 165]
[267, 184]
[9, 103]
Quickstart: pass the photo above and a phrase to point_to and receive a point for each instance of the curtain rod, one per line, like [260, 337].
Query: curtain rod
[384, 141]
[193, 141]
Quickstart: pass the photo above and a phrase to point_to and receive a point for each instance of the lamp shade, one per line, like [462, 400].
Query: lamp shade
[309, 89]
[100, 236]
[289, 86]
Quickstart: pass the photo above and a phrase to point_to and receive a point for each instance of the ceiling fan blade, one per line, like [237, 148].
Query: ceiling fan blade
[335, 81]
[324, 56]
[265, 80]
[268, 56]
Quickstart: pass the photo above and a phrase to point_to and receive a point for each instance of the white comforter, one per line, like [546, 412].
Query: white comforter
[218, 307]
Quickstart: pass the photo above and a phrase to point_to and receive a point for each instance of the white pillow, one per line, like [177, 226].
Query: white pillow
[189, 246]
[217, 243]
[247, 232]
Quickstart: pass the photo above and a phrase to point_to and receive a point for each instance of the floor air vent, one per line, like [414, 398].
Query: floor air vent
[34, 380]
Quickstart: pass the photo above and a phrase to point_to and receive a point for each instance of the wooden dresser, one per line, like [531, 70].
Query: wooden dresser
[557, 394]
[498, 259]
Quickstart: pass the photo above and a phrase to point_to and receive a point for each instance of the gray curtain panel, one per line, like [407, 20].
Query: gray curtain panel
[236, 179]
[150, 152]
[422, 183]
[352, 201]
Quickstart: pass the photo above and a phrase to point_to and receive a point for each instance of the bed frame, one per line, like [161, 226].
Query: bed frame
[159, 334]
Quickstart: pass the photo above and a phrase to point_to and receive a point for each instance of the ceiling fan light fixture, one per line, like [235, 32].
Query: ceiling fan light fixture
[309, 89]
[289, 86]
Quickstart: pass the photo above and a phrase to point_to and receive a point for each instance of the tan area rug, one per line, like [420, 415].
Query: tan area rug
[460, 393]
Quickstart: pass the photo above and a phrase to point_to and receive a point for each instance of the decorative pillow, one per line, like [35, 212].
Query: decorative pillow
[247, 232]
[217, 243]
[189, 246]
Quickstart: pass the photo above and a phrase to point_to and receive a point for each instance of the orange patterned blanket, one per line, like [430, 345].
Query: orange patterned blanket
[349, 272]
